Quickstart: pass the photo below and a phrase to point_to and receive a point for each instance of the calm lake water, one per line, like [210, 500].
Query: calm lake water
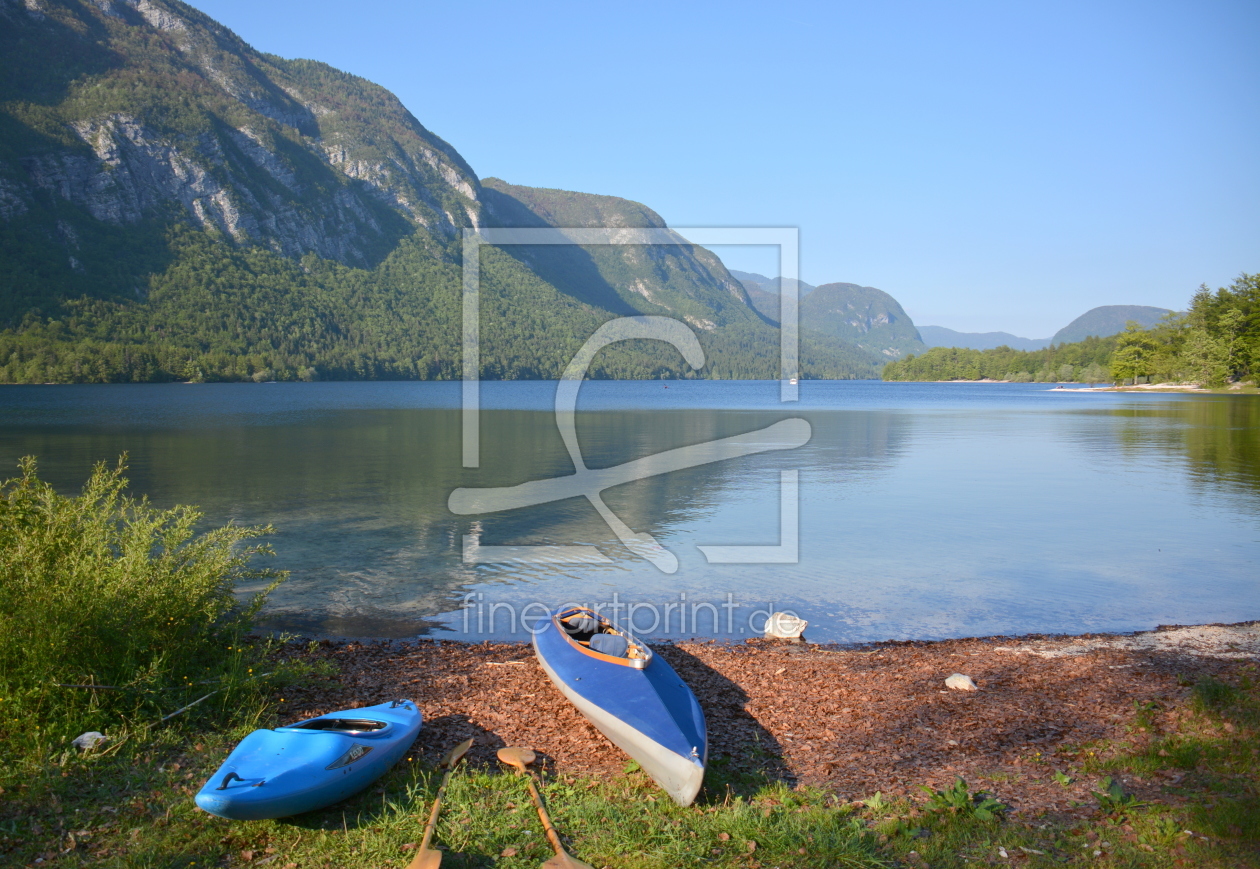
[925, 510]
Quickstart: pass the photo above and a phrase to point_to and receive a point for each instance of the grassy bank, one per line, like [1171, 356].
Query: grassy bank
[131, 805]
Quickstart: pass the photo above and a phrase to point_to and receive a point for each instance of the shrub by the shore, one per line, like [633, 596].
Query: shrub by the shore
[103, 589]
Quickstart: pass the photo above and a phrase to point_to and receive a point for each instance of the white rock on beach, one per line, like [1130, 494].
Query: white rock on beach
[785, 626]
[89, 740]
[960, 682]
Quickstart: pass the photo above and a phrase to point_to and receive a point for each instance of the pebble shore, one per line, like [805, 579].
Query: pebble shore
[854, 720]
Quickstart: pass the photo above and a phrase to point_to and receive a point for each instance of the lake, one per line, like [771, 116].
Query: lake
[922, 510]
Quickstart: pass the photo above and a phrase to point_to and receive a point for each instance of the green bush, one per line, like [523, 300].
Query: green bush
[105, 590]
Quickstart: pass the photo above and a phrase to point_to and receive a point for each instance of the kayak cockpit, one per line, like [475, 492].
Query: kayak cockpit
[348, 726]
[359, 728]
[594, 635]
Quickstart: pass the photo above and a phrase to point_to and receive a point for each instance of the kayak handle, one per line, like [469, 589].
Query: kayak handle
[227, 779]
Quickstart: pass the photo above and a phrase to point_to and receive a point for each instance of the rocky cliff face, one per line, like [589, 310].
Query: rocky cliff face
[178, 116]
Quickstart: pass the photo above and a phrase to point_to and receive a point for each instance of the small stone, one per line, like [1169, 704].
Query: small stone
[508, 852]
[89, 740]
[960, 682]
[785, 626]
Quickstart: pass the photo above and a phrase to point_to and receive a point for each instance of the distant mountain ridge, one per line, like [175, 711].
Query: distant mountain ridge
[763, 292]
[772, 285]
[1107, 320]
[1101, 322]
[939, 336]
[866, 317]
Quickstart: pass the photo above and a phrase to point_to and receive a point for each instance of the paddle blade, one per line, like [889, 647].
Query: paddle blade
[426, 859]
[453, 756]
[517, 757]
[566, 861]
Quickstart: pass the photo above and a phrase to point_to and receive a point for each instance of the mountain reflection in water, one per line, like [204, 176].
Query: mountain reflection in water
[926, 510]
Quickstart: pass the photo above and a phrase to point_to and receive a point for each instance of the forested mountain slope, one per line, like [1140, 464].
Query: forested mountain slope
[679, 280]
[176, 205]
[864, 316]
[764, 292]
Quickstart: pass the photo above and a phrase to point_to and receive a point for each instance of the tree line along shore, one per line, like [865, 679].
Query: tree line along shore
[1214, 343]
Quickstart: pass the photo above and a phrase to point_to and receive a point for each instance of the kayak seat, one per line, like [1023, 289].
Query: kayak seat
[610, 644]
[581, 625]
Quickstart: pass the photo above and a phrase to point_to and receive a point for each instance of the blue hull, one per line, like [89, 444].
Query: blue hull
[311, 764]
[646, 710]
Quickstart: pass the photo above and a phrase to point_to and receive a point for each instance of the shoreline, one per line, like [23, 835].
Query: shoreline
[853, 720]
[1062, 386]
[1094, 639]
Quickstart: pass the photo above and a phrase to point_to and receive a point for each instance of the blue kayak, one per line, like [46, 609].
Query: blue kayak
[311, 764]
[631, 694]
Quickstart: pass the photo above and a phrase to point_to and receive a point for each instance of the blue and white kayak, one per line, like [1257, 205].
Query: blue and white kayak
[311, 764]
[631, 694]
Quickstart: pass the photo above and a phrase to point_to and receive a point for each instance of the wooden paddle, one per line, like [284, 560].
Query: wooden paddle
[520, 758]
[426, 857]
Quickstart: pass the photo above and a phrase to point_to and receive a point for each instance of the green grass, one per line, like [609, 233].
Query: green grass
[134, 808]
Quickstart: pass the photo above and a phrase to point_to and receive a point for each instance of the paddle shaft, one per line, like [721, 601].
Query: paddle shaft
[552, 836]
[433, 815]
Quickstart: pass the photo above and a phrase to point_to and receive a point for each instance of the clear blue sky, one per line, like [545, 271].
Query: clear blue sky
[992, 165]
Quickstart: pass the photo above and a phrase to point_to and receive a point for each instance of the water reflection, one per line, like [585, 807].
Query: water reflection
[931, 511]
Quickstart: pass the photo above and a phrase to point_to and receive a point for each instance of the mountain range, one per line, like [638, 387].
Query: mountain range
[939, 336]
[865, 317]
[1101, 322]
[177, 205]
